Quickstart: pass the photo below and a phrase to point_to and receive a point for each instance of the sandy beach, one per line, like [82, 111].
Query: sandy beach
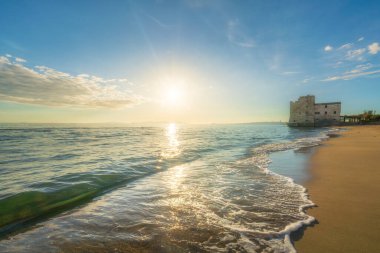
[345, 186]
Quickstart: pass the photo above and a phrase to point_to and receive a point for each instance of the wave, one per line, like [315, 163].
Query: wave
[260, 158]
[228, 195]
[71, 190]
[25, 207]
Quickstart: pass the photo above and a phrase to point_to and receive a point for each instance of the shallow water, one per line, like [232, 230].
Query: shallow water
[169, 188]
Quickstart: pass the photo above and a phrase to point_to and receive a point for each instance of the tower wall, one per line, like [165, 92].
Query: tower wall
[327, 114]
[302, 112]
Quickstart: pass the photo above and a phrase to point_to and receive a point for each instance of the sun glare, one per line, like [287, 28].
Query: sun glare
[173, 96]
[173, 92]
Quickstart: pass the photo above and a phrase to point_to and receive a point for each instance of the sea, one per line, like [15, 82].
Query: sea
[153, 188]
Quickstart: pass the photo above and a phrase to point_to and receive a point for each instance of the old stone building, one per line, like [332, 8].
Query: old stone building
[306, 113]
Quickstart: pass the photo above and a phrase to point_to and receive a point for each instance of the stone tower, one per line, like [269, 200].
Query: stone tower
[302, 111]
[306, 113]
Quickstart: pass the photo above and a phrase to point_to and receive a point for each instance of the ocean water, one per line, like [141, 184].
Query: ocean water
[163, 188]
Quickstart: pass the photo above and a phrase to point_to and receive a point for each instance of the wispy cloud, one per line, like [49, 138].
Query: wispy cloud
[46, 86]
[360, 68]
[328, 48]
[247, 44]
[17, 59]
[337, 64]
[20, 59]
[374, 48]
[346, 46]
[359, 71]
[289, 73]
[346, 58]
[307, 80]
[236, 35]
[356, 54]
[351, 76]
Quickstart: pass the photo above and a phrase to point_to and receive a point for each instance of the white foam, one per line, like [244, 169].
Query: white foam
[264, 151]
[260, 158]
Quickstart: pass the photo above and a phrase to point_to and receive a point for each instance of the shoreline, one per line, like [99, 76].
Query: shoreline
[344, 184]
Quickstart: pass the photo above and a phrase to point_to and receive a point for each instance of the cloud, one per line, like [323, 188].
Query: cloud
[345, 59]
[374, 48]
[246, 44]
[4, 60]
[346, 46]
[307, 80]
[337, 64]
[349, 76]
[328, 48]
[289, 73]
[46, 86]
[236, 36]
[20, 59]
[356, 54]
[360, 68]
[17, 59]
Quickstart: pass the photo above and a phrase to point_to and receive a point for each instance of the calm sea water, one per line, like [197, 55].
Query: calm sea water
[167, 188]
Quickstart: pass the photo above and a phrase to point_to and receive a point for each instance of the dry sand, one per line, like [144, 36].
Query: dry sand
[346, 189]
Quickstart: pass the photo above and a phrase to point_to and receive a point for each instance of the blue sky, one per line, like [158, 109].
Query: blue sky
[188, 61]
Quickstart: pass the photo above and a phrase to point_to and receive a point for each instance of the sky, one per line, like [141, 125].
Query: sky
[184, 61]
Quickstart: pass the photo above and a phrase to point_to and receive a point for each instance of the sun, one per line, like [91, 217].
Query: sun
[173, 92]
[173, 96]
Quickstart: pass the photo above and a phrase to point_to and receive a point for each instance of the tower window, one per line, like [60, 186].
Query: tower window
[334, 112]
[325, 106]
[325, 112]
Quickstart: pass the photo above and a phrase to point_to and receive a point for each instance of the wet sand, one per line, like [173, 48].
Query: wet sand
[345, 186]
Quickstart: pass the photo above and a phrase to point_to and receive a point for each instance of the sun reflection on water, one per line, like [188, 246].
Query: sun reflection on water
[173, 145]
[177, 177]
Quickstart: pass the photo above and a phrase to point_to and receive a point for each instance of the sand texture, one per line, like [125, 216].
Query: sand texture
[345, 185]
